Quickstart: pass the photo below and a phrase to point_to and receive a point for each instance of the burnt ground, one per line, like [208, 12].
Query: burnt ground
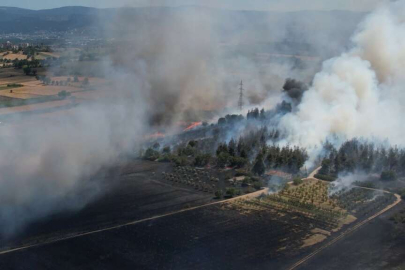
[212, 237]
[131, 192]
[380, 244]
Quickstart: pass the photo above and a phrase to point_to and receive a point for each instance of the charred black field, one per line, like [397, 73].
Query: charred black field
[153, 218]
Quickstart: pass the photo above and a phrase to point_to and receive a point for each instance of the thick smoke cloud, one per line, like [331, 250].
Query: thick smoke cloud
[360, 93]
[294, 90]
[164, 63]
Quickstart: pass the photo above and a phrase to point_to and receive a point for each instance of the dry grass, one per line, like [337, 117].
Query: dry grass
[12, 56]
[35, 89]
[313, 240]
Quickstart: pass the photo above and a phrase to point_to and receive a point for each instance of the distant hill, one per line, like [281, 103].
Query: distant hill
[289, 32]
[17, 20]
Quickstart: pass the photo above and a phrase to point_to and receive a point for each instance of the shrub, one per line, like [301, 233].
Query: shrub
[165, 158]
[219, 194]
[297, 181]
[63, 94]
[257, 186]
[242, 172]
[193, 143]
[188, 151]
[151, 154]
[180, 161]
[247, 181]
[202, 160]
[222, 159]
[388, 176]
[14, 85]
[238, 162]
[231, 192]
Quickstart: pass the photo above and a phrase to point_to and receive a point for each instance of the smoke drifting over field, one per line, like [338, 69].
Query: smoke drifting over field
[163, 67]
[360, 93]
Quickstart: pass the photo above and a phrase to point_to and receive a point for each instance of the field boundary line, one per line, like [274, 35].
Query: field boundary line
[251, 195]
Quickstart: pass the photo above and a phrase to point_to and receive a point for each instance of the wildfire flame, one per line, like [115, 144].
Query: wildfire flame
[193, 125]
[156, 135]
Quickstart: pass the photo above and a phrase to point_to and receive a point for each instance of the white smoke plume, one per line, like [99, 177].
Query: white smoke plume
[160, 67]
[360, 93]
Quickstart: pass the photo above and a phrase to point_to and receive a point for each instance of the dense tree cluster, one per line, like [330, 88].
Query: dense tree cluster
[29, 67]
[229, 154]
[356, 155]
[230, 119]
[256, 114]
[286, 158]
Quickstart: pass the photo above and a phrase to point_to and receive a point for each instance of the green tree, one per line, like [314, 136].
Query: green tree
[202, 160]
[388, 176]
[27, 70]
[231, 192]
[219, 194]
[258, 167]
[222, 159]
[238, 162]
[151, 154]
[297, 181]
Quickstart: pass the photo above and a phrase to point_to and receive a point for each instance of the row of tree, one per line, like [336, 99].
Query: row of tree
[358, 155]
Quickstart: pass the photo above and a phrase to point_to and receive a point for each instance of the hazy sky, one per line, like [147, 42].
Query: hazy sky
[278, 5]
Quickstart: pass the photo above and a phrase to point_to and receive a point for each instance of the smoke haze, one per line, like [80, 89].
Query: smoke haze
[170, 62]
[360, 93]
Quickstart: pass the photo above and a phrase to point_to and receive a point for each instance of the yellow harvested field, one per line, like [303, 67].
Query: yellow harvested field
[32, 91]
[313, 240]
[13, 56]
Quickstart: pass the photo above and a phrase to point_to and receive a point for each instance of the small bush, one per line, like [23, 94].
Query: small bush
[202, 160]
[231, 192]
[15, 85]
[180, 161]
[242, 172]
[63, 94]
[257, 186]
[238, 162]
[297, 181]
[219, 194]
[222, 159]
[388, 176]
[151, 154]
[165, 158]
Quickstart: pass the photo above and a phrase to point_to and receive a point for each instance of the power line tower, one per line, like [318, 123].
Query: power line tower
[240, 103]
